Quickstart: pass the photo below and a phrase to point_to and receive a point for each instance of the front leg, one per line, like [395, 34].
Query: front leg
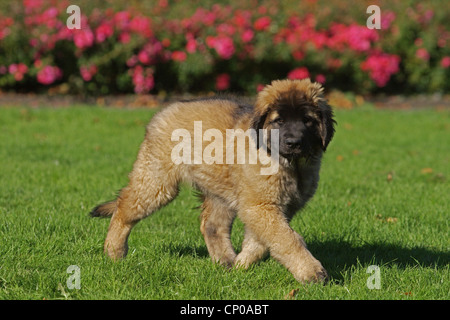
[270, 227]
[252, 250]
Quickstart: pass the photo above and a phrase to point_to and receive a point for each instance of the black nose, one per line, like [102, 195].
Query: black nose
[293, 142]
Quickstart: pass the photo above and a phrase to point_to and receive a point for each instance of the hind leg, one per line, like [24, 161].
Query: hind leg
[146, 192]
[216, 222]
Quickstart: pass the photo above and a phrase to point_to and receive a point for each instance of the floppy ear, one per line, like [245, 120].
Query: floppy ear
[326, 126]
[258, 123]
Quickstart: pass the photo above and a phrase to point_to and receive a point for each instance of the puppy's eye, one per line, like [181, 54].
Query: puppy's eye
[278, 121]
[308, 121]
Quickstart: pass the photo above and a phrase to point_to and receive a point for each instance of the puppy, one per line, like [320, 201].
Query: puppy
[288, 129]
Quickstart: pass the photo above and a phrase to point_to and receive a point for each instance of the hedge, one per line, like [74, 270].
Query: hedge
[200, 46]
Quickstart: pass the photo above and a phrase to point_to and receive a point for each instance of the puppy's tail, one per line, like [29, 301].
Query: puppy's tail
[104, 210]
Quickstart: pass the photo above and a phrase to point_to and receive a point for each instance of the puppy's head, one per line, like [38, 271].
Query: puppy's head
[298, 109]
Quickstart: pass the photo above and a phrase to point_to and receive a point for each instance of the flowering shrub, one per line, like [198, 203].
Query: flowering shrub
[380, 67]
[173, 47]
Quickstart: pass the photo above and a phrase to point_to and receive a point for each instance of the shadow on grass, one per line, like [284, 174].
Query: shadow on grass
[180, 250]
[337, 255]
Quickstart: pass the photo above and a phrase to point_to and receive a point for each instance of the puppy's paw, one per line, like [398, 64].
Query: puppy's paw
[242, 261]
[116, 253]
[313, 272]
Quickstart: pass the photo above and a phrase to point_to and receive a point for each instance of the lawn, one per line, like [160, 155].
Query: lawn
[383, 200]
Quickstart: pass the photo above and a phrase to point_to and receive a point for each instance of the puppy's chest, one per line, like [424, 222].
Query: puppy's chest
[297, 186]
[290, 187]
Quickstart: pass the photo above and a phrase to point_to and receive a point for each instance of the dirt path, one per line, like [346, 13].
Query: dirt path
[338, 100]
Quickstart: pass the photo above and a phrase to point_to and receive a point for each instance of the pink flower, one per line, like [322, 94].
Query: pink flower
[423, 54]
[262, 24]
[247, 36]
[259, 87]
[360, 38]
[222, 81]
[124, 37]
[142, 79]
[150, 52]
[141, 25]
[34, 42]
[31, 5]
[48, 75]
[380, 67]
[445, 62]
[203, 16]
[223, 45]
[132, 61]
[83, 38]
[4, 32]
[144, 57]
[209, 18]
[88, 72]
[320, 78]
[12, 68]
[104, 31]
[18, 70]
[179, 56]
[18, 76]
[49, 17]
[191, 46]
[122, 19]
[242, 18]
[225, 28]
[319, 39]
[22, 68]
[427, 16]
[38, 63]
[163, 3]
[210, 41]
[357, 37]
[298, 55]
[298, 73]
[387, 18]
[64, 34]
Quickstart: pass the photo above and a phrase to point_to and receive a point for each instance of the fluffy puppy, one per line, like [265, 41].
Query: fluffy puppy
[262, 164]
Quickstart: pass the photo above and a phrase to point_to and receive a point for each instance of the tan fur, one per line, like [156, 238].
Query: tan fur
[265, 203]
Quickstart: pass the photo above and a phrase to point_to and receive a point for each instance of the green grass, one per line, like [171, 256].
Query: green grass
[383, 200]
